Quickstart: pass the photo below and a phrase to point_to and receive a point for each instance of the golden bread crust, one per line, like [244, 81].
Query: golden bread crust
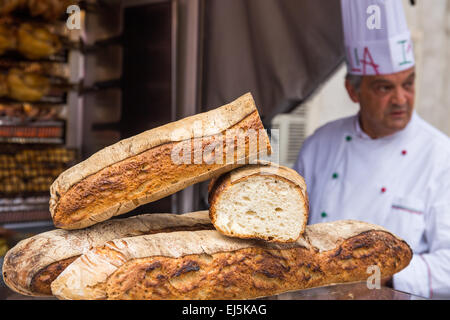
[343, 254]
[34, 263]
[255, 272]
[148, 176]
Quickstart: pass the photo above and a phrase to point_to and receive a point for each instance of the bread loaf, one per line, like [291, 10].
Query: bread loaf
[208, 265]
[157, 163]
[31, 266]
[261, 201]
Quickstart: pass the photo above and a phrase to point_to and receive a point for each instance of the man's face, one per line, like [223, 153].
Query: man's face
[386, 102]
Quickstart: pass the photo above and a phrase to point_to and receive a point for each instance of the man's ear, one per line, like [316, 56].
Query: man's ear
[352, 92]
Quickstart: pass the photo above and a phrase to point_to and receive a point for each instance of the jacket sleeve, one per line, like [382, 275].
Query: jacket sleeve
[428, 274]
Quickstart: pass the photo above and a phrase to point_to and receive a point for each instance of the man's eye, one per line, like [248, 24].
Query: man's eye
[384, 88]
[408, 85]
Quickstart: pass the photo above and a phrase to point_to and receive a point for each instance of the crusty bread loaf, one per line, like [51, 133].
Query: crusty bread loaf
[208, 265]
[261, 201]
[142, 168]
[31, 266]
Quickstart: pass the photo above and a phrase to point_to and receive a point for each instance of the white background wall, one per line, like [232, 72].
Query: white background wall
[429, 23]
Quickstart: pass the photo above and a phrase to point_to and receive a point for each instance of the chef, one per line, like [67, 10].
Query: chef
[384, 165]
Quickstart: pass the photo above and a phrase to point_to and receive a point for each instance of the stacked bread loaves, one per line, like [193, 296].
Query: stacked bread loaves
[252, 242]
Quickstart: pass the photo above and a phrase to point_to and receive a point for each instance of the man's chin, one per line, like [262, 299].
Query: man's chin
[398, 124]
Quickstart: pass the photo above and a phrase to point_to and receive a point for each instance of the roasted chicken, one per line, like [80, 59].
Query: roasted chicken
[27, 86]
[8, 6]
[7, 38]
[47, 9]
[36, 42]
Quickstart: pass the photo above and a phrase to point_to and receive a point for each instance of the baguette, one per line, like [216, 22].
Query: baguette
[30, 267]
[207, 265]
[149, 166]
[260, 201]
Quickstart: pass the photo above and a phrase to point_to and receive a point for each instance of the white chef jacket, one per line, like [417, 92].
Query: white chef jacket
[400, 182]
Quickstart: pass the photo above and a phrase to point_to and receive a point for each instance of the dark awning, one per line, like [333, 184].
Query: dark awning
[279, 50]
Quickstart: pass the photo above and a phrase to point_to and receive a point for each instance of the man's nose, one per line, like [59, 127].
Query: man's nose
[400, 96]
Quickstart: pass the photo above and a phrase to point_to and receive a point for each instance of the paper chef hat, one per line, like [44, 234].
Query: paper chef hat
[377, 39]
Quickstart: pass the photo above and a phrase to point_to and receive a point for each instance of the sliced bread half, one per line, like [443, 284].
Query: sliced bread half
[262, 201]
